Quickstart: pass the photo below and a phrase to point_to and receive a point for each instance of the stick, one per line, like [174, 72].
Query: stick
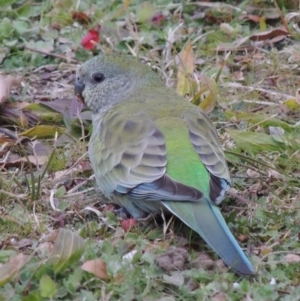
[59, 56]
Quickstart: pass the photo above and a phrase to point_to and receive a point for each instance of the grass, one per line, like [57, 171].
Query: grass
[55, 226]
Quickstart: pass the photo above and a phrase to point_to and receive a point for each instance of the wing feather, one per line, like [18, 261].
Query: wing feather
[131, 159]
[205, 140]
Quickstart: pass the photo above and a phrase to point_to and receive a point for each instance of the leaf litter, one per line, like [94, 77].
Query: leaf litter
[251, 108]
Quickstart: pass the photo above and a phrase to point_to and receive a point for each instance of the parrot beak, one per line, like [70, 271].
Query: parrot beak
[79, 87]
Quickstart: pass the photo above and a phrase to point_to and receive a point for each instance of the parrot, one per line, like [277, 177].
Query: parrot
[152, 151]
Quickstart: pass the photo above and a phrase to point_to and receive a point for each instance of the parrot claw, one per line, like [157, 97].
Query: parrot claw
[122, 213]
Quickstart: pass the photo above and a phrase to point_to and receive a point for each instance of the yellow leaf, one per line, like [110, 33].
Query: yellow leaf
[266, 250]
[42, 131]
[262, 24]
[185, 71]
[206, 98]
[292, 104]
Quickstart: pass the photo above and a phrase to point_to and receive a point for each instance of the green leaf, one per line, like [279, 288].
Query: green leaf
[60, 192]
[32, 296]
[145, 11]
[6, 28]
[68, 248]
[6, 2]
[254, 142]
[47, 287]
[43, 131]
[263, 120]
[44, 112]
[20, 26]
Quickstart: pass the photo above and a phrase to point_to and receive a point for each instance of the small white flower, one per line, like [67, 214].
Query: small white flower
[273, 281]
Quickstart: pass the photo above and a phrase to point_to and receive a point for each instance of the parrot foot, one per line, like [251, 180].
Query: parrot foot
[122, 213]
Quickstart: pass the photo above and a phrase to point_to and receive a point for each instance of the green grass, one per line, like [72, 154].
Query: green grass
[52, 220]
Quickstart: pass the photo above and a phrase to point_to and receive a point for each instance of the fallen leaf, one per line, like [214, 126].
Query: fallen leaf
[185, 70]
[15, 161]
[43, 131]
[68, 248]
[291, 258]
[97, 267]
[220, 296]
[157, 19]
[92, 38]
[127, 224]
[64, 104]
[81, 17]
[270, 34]
[207, 96]
[6, 83]
[11, 268]
[250, 17]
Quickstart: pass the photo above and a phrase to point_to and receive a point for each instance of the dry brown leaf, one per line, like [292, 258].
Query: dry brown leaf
[220, 296]
[15, 160]
[6, 83]
[185, 70]
[270, 34]
[11, 268]
[252, 173]
[291, 258]
[96, 267]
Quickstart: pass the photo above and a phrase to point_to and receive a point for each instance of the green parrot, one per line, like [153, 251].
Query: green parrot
[151, 150]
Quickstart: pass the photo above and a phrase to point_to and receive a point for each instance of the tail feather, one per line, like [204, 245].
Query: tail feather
[206, 219]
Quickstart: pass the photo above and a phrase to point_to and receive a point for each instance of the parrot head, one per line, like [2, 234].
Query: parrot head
[108, 79]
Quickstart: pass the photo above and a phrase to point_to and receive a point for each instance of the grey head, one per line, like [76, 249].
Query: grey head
[108, 79]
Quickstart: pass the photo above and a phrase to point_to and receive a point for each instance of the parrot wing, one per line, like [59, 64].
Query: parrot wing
[131, 160]
[204, 138]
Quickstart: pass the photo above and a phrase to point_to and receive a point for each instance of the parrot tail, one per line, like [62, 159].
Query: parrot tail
[207, 220]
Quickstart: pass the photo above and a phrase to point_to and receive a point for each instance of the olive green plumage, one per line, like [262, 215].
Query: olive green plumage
[152, 150]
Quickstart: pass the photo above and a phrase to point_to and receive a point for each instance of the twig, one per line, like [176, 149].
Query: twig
[16, 196]
[216, 5]
[240, 198]
[239, 86]
[59, 56]
[81, 184]
[9, 133]
[79, 192]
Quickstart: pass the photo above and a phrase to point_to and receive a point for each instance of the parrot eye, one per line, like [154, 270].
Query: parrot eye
[98, 77]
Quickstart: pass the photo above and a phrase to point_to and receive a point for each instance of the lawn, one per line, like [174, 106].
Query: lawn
[60, 238]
